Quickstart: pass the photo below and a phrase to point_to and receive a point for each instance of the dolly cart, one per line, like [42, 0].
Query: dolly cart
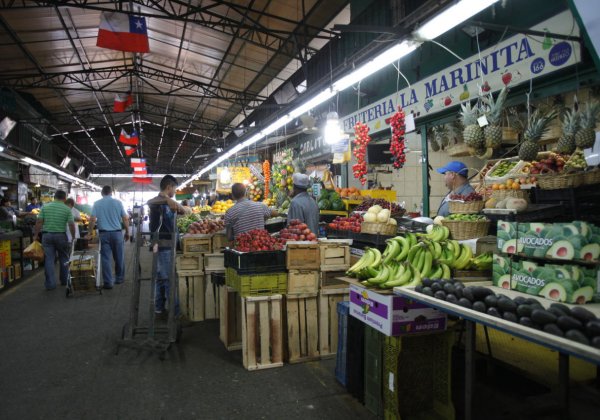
[85, 270]
[146, 334]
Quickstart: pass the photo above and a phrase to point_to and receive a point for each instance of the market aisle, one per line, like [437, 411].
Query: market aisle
[58, 362]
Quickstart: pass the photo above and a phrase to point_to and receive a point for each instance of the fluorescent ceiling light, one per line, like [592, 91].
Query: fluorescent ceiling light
[59, 172]
[65, 162]
[313, 102]
[1, 149]
[332, 128]
[80, 170]
[132, 175]
[451, 17]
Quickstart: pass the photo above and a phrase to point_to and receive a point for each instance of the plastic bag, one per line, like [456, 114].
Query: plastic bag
[35, 251]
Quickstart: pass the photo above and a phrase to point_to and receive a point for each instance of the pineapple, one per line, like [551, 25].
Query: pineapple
[536, 127]
[493, 131]
[566, 143]
[473, 133]
[586, 135]
[433, 139]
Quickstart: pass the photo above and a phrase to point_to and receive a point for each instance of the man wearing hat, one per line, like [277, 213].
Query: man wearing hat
[245, 215]
[456, 178]
[303, 207]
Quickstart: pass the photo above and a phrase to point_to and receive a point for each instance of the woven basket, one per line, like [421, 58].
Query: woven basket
[378, 228]
[469, 207]
[502, 194]
[556, 182]
[591, 177]
[461, 230]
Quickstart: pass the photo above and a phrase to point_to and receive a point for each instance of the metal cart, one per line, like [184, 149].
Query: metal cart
[85, 270]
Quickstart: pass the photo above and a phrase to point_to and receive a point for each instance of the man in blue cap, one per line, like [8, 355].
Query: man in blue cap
[456, 178]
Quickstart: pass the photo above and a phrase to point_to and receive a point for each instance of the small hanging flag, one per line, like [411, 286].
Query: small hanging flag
[131, 140]
[141, 180]
[138, 163]
[123, 32]
[129, 150]
[122, 102]
[140, 171]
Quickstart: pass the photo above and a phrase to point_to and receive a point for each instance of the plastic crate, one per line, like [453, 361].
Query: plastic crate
[417, 376]
[374, 341]
[263, 284]
[343, 310]
[255, 262]
[355, 359]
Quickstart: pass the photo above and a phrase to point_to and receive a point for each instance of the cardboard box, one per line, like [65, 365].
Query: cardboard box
[576, 241]
[569, 283]
[394, 315]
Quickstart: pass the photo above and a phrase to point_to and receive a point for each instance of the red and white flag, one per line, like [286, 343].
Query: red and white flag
[140, 180]
[123, 32]
[138, 163]
[130, 140]
[129, 150]
[122, 102]
[140, 171]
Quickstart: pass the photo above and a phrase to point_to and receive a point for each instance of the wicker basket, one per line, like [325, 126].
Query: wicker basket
[556, 182]
[461, 230]
[378, 228]
[502, 194]
[469, 207]
[591, 177]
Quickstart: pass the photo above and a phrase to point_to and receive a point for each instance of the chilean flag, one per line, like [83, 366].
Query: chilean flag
[140, 171]
[129, 150]
[141, 180]
[130, 140]
[123, 32]
[122, 102]
[138, 163]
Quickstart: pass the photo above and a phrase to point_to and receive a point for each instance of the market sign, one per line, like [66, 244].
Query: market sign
[227, 176]
[509, 63]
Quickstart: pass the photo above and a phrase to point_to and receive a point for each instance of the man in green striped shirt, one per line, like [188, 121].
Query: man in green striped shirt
[51, 221]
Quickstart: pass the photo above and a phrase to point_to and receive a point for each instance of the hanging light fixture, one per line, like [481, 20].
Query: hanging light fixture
[333, 133]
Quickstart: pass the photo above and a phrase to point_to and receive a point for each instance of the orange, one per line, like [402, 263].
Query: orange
[495, 186]
[502, 187]
[516, 186]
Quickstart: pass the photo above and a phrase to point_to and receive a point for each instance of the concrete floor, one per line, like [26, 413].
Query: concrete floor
[58, 361]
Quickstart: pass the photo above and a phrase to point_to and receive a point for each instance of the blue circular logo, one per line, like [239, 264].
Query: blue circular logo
[538, 65]
[560, 54]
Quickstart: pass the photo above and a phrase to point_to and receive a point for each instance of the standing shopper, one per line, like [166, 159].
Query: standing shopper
[111, 218]
[303, 207]
[163, 211]
[245, 215]
[51, 221]
[76, 218]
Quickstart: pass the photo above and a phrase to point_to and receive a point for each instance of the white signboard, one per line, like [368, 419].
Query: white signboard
[514, 61]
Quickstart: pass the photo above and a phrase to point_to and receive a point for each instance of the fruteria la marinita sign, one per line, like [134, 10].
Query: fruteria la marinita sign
[511, 62]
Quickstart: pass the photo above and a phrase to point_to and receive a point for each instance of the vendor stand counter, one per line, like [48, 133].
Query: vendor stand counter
[563, 346]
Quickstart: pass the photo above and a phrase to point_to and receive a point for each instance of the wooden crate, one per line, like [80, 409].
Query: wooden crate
[302, 256]
[191, 295]
[328, 319]
[189, 263]
[219, 242]
[329, 279]
[230, 318]
[302, 327]
[303, 281]
[211, 298]
[196, 244]
[262, 345]
[214, 262]
[334, 256]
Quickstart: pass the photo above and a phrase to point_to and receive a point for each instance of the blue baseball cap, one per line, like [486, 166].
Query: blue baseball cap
[456, 167]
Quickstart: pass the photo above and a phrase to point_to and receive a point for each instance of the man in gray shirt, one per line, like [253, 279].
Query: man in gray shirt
[303, 207]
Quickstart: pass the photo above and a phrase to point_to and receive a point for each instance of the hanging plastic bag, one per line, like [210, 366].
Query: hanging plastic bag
[35, 251]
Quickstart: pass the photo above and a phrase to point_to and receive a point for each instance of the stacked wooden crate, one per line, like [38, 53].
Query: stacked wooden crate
[213, 266]
[190, 270]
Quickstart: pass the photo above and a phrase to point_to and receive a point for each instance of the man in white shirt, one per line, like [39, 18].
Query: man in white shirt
[76, 216]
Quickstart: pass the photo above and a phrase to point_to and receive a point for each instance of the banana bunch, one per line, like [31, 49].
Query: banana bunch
[423, 257]
[482, 262]
[395, 274]
[436, 233]
[398, 247]
[367, 266]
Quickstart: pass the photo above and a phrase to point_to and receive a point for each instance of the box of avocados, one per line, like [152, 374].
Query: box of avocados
[575, 241]
[564, 283]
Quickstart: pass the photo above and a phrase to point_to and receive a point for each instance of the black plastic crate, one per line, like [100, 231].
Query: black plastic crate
[374, 371]
[255, 262]
[355, 359]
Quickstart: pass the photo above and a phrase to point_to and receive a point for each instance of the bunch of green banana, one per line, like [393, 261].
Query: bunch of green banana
[366, 265]
[464, 259]
[395, 275]
[397, 248]
[482, 262]
[436, 233]
[424, 258]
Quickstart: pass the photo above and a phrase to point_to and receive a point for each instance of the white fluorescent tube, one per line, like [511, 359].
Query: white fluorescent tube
[313, 102]
[276, 125]
[451, 17]
[59, 172]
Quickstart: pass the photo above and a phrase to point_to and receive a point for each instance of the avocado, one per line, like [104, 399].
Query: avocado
[507, 305]
[490, 301]
[562, 273]
[524, 310]
[494, 312]
[554, 291]
[512, 247]
[458, 291]
[582, 295]
[576, 273]
[511, 317]
[590, 252]
[500, 261]
[563, 308]
[436, 286]
[427, 291]
[595, 342]
[426, 282]
[465, 303]
[506, 227]
[582, 314]
[536, 228]
[566, 323]
[440, 294]
[479, 293]
[532, 301]
[543, 317]
[527, 322]
[578, 336]
[451, 298]
[593, 328]
[528, 266]
[468, 293]
[584, 229]
[503, 235]
[504, 282]
[561, 250]
[479, 307]
[449, 288]
[570, 229]
[553, 329]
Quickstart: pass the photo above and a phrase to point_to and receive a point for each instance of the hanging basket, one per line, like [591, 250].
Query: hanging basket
[461, 230]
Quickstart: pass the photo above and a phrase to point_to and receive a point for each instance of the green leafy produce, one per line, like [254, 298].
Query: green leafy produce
[466, 217]
[184, 222]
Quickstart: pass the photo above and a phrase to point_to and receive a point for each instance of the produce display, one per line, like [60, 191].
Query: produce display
[570, 125]
[473, 134]
[194, 224]
[537, 125]
[466, 217]
[493, 131]
[397, 144]
[200, 209]
[553, 163]
[466, 198]
[502, 168]
[576, 323]
[255, 189]
[511, 203]
[221, 206]
[297, 231]
[586, 133]
[350, 193]
[395, 209]
[351, 224]
[377, 214]
[515, 184]
[330, 200]
[576, 162]
[283, 171]
[257, 240]
[361, 140]
[85, 219]
[266, 167]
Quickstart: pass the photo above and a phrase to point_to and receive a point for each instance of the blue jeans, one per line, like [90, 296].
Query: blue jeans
[164, 264]
[55, 243]
[112, 245]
